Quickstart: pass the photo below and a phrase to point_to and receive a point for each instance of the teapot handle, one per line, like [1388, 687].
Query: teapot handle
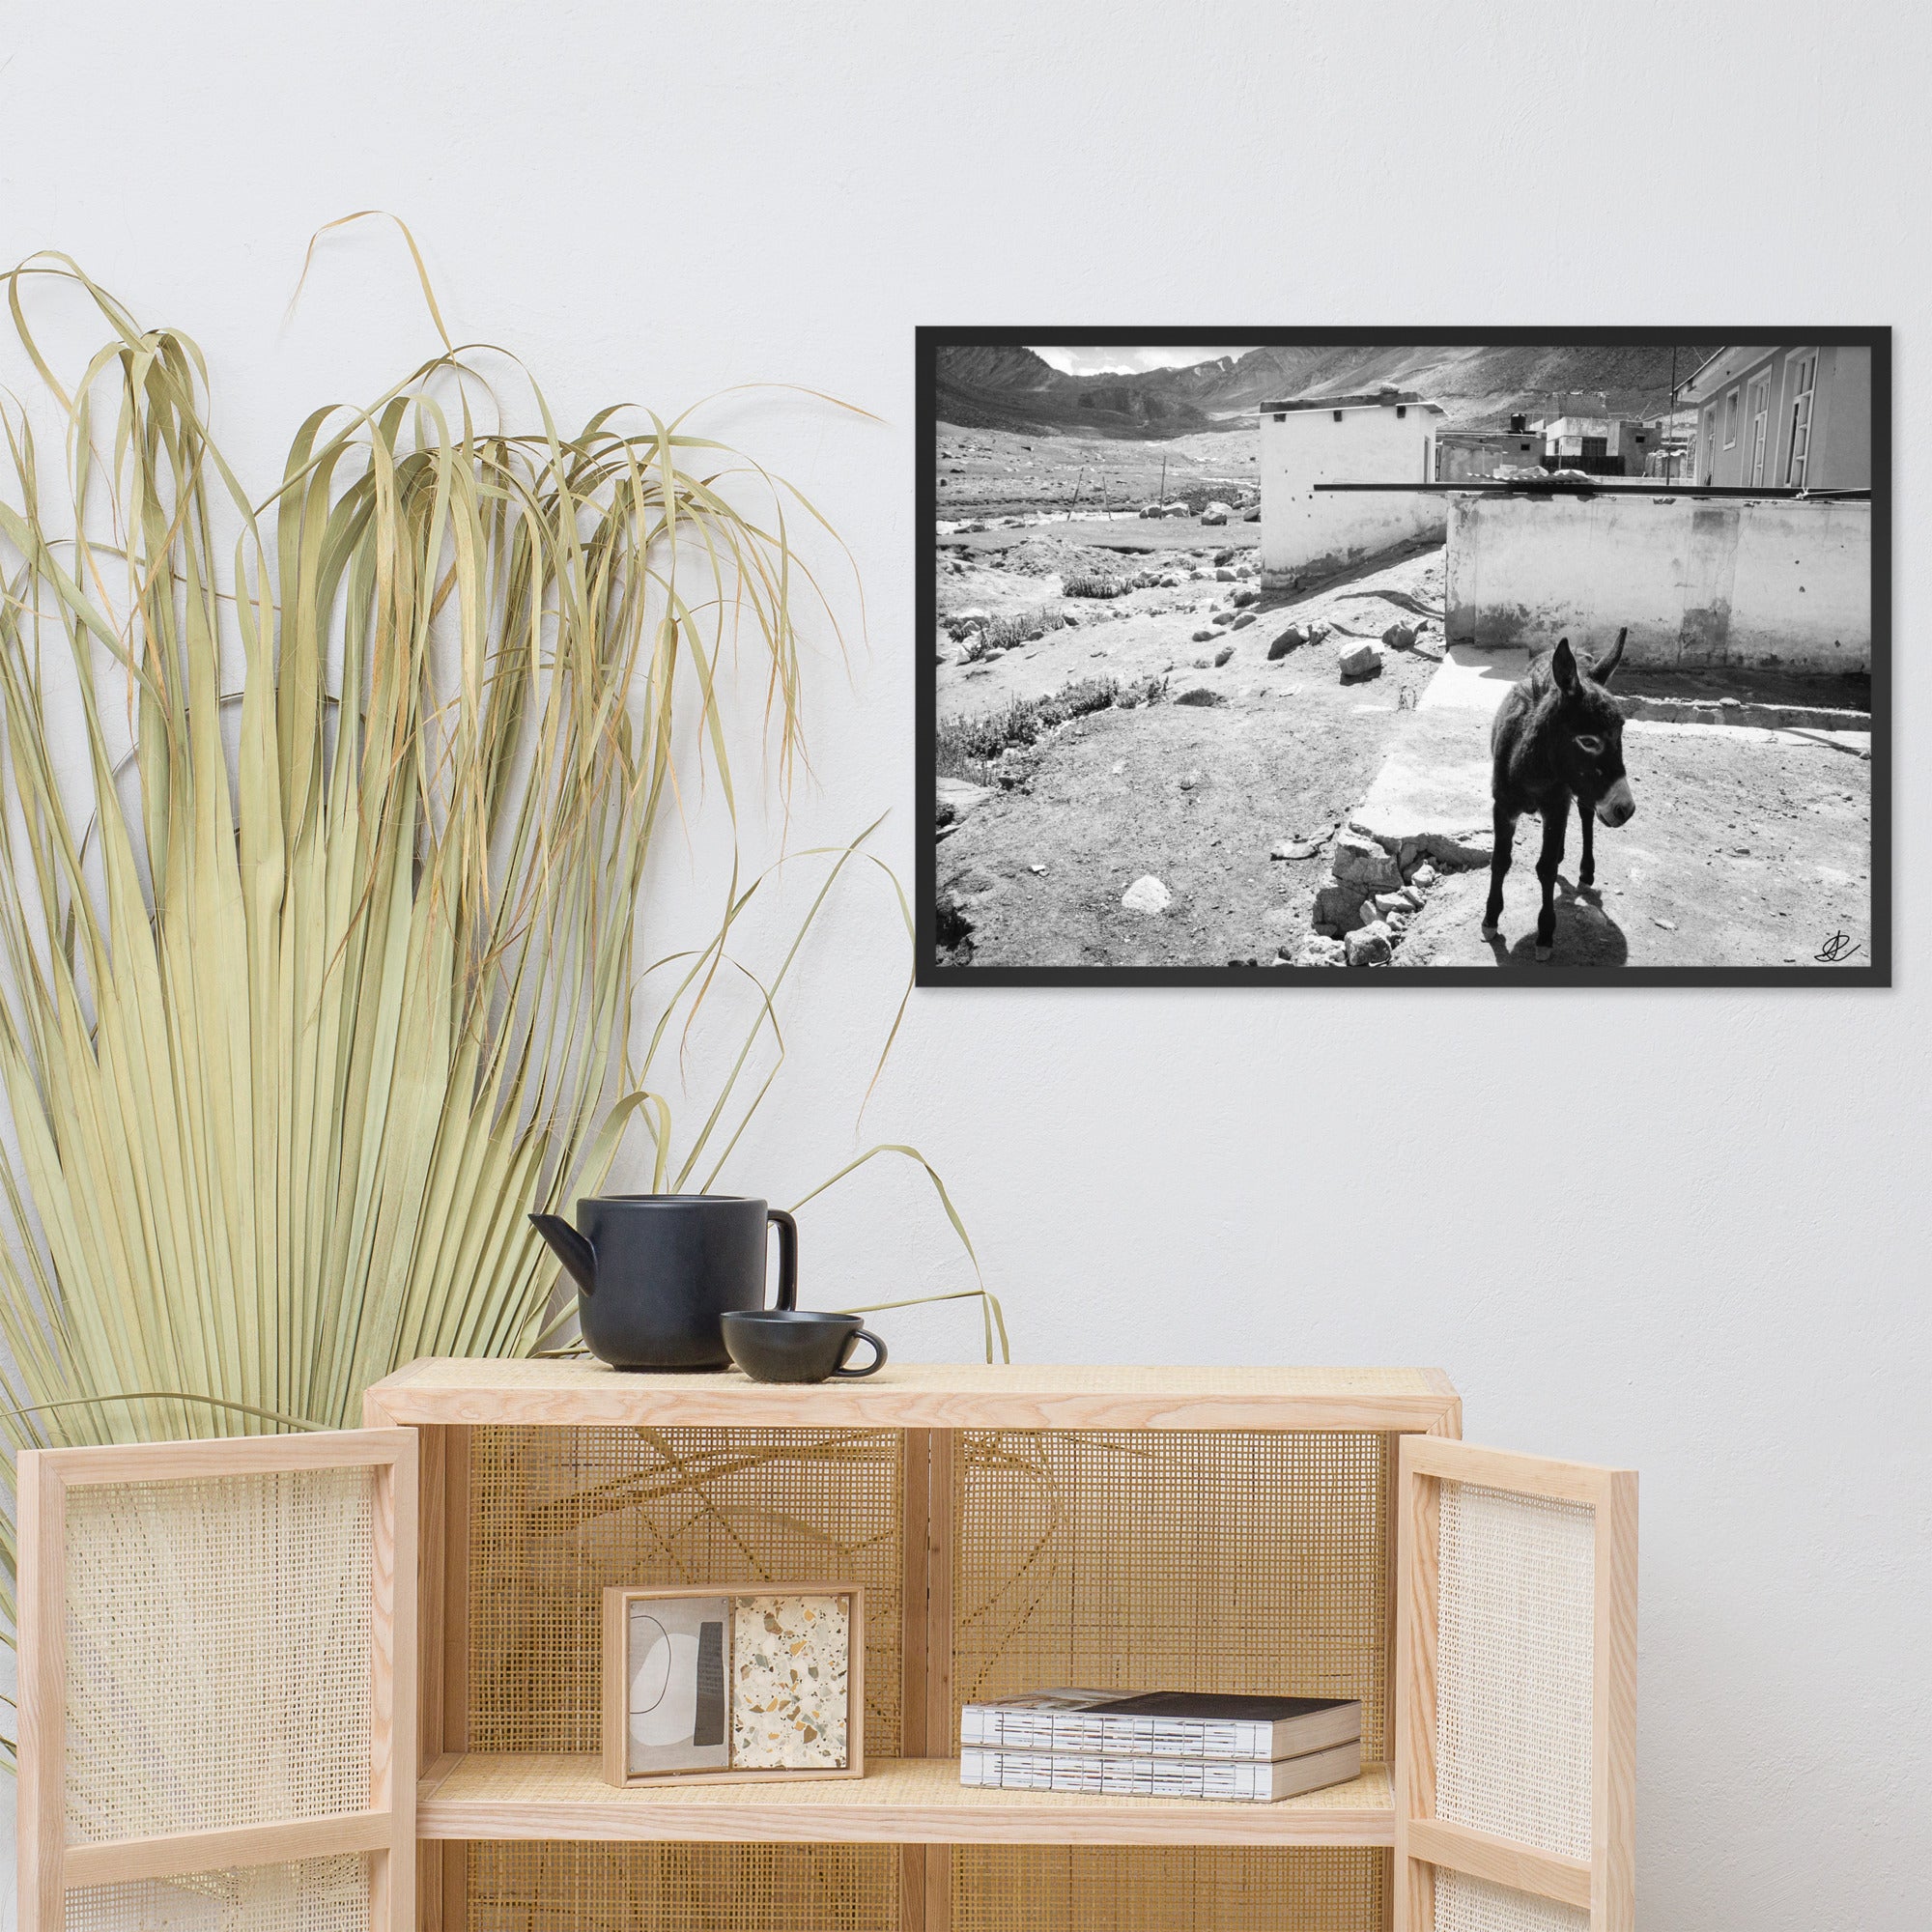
[787, 1256]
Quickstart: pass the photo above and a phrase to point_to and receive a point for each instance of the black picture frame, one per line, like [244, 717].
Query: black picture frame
[931, 972]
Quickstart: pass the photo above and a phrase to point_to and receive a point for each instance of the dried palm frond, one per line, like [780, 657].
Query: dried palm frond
[319, 970]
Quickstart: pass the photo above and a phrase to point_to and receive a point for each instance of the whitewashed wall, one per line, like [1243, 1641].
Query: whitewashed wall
[1696, 581]
[1303, 526]
[1685, 1231]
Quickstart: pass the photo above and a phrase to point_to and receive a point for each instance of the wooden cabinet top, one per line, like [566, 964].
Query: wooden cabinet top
[917, 1395]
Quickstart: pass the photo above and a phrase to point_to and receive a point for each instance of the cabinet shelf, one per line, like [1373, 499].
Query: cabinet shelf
[899, 1802]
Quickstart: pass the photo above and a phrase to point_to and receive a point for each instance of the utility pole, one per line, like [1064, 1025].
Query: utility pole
[1163, 477]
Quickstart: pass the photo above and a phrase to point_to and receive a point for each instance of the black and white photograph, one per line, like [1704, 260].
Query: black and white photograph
[1518, 656]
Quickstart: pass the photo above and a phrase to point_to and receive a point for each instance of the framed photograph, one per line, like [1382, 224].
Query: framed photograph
[704, 1682]
[1361, 657]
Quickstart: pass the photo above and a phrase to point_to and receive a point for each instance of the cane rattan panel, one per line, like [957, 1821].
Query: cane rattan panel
[1465, 1904]
[1252, 1560]
[532, 1886]
[1112, 1889]
[314, 1895]
[1514, 1669]
[217, 1654]
[556, 1514]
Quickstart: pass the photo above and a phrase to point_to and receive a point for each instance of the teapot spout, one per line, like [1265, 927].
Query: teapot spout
[570, 1248]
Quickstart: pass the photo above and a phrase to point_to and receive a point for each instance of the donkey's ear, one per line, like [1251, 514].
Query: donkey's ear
[1563, 667]
[1605, 666]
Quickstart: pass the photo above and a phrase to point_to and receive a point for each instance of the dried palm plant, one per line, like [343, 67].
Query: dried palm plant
[319, 972]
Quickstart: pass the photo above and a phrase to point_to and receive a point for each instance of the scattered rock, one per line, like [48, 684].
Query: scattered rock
[1224, 575]
[1200, 695]
[1296, 848]
[1217, 513]
[1189, 780]
[955, 924]
[956, 799]
[1039, 871]
[1326, 930]
[1147, 895]
[1398, 637]
[1201, 663]
[1669, 924]
[1372, 946]
[1415, 897]
[1242, 622]
[1425, 875]
[1118, 766]
[1358, 860]
[1337, 903]
[1222, 656]
[1290, 640]
[959, 622]
[1222, 557]
[1204, 636]
[1245, 595]
[1320, 950]
[1387, 903]
[1361, 660]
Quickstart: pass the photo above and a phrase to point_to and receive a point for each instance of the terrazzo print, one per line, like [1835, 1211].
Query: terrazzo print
[789, 1662]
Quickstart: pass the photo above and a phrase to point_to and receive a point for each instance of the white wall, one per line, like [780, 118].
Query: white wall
[1301, 527]
[1696, 581]
[1683, 1230]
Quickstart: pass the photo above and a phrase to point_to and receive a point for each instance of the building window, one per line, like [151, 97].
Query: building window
[1800, 380]
[1401, 411]
[1732, 420]
[1282, 418]
[1757, 415]
[1710, 443]
[1337, 416]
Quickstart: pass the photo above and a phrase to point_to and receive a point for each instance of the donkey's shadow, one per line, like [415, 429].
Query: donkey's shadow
[1587, 935]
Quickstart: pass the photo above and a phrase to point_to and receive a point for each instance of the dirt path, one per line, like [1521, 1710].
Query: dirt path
[1195, 797]
[1749, 848]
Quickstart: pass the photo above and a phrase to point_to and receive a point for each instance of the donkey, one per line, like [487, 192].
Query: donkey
[1558, 735]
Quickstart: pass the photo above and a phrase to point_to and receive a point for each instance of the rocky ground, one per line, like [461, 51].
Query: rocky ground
[1192, 805]
[995, 473]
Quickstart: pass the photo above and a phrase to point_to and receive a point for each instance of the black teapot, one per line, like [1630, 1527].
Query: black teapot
[656, 1273]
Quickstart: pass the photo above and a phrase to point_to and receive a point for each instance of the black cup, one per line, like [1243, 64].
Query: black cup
[789, 1344]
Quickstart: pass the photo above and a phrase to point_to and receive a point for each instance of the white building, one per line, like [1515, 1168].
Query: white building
[1387, 437]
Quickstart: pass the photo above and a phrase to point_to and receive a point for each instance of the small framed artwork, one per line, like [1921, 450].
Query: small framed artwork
[751, 1685]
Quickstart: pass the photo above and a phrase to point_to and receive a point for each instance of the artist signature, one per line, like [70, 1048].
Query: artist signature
[1837, 950]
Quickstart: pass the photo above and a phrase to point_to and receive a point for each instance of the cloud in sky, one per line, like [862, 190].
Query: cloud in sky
[1112, 362]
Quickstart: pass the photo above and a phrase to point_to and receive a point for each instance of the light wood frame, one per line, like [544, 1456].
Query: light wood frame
[614, 1725]
[920, 1805]
[1602, 1885]
[385, 1830]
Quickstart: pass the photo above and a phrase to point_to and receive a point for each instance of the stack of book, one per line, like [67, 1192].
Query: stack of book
[1164, 1744]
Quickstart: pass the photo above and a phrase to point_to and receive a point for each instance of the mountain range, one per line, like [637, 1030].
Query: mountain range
[1009, 388]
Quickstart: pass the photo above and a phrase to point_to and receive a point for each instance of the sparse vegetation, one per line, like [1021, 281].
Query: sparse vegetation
[1098, 587]
[1018, 627]
[968, 746]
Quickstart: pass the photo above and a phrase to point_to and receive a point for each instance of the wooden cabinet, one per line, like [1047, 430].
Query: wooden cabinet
[1316, 1531]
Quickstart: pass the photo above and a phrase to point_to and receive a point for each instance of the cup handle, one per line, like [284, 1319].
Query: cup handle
[787, 1256]
[872, 1367]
